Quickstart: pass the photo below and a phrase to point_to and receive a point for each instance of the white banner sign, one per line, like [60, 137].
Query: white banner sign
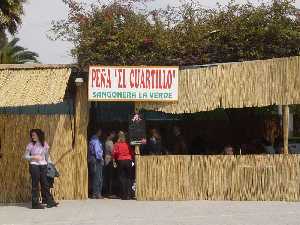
[108, 83]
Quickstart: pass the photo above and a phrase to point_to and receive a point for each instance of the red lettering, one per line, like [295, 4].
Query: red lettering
[164, 79]
[159, 84]
[132, 78]
[148, 79]
[119, 78]
[153, 72]
[168, 80]
[102, 75]
[137, 78]
[157, 79]
[108, 81]
[124, 80]
[142, 80]
[95, 78]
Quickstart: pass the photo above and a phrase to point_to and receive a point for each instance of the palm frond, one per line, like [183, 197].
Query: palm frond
[11, 12]
[11, 53]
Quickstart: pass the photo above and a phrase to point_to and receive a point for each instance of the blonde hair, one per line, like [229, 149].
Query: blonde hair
[121, 136]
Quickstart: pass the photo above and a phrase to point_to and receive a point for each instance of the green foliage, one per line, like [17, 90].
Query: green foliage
[121, 33]
[11, 53]
[247, 32]
[11, 12]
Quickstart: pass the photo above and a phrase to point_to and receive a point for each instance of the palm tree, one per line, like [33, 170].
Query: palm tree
[11, 53]
[11, 12]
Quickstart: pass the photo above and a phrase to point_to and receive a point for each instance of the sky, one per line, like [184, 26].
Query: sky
[40, 13]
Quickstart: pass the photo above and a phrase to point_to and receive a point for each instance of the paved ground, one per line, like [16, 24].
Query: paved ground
[117, 212]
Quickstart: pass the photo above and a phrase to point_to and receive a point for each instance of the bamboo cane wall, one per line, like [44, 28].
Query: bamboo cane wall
[255, 177]
[235, 85]
[67, 137]
[34, 86]
[15, 185]
[80, 172]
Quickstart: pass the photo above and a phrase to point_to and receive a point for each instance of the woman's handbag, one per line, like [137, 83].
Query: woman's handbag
[52, 171]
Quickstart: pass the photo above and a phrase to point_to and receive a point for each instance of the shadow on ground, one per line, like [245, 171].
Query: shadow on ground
[21, 205]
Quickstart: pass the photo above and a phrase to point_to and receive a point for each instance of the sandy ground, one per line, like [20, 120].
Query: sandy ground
[117, 212]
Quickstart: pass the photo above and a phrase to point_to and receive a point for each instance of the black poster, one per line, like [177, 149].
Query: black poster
[137, 129]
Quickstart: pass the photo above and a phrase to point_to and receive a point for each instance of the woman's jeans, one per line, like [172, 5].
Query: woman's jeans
[109, 179]
[96, 167]
[39, 176]
[124, 168]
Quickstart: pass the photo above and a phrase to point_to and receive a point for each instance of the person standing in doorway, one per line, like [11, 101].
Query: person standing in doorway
[109, 170]
[228, 150]
[154, 145]
[179, 145]
[96, 162]
[37, 153]
[123, 153]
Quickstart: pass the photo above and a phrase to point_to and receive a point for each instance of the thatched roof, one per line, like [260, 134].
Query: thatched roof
[23, 85]
[235, 85]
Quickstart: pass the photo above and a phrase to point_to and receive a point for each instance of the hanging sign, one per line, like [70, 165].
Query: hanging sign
[137, 129]
[109, 83]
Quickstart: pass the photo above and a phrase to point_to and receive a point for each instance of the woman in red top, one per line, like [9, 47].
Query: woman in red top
[123, 153]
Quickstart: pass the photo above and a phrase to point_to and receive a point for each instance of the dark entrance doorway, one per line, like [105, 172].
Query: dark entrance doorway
[109, 116]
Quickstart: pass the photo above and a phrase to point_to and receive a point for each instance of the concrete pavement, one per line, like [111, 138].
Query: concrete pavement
[117, 212]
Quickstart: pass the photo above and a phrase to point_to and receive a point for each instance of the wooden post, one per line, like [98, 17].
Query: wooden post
[80, 141]
[137, 149]
[137, 159]
[285, 127]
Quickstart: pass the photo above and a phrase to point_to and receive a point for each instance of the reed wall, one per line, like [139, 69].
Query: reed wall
[34, 86]
[234, 85]
[15, 185]
[255, 177]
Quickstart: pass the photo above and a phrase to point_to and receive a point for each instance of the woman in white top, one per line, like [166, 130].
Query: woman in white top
[37, 153]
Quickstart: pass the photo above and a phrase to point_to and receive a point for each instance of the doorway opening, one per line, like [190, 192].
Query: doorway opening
[109, 117]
